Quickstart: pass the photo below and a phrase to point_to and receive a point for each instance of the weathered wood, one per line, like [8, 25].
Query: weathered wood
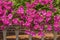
[17, 34]
[55, 35]
[30, 37]
[4, 34]
[42, 38]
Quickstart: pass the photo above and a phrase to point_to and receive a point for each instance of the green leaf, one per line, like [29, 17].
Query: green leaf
[57, 1]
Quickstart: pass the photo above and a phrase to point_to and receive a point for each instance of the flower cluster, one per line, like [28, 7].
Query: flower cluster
[40, 20]
[35, 21]
[5, 13]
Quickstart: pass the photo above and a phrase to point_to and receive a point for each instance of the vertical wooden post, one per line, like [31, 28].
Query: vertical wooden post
[42, 38]
[30, 37]
[17, 34]
[55, 35]
[4, 34]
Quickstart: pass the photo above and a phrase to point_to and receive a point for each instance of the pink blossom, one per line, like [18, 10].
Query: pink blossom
[15, 21]
[20, 10]
[28, 5]
[33, 33]
[48, 19]
[36, 27]
[49, 28]
[41, 34]
[49, 13]
[27, 24]
[10, 16]
[56, 24]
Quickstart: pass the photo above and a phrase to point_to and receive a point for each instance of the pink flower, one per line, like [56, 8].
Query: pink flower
[15, 21]
[21, 22]
[57, 29]
[6, 21]
[10, 16]
[29, 19]
[41, 18]
[54, 9]
[51, 1]
[49, 28]
[7, 7]
[36, 27]
[20, 10]
[28, 5]
[41, 28]
[43, 2]
[49, 13]
[33, 33]
[34, 4]
[48, 19]
[1, 12]
[41, 34]
[35, 22]
[27, 24]
[30, 11]
[1, 3]
[43, 12]
[56, 25]
[51, 6]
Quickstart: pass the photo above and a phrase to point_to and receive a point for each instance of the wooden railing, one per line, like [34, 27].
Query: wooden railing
[17, 36]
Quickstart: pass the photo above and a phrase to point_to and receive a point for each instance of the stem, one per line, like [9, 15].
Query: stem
[4, 34]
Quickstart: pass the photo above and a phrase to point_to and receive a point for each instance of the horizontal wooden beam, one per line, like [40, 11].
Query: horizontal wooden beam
[47, 35]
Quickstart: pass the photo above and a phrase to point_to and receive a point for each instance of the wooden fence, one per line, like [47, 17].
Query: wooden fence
[54, 36]
[30, 37]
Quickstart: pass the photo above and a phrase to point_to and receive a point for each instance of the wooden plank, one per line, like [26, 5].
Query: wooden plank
[49, 35]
